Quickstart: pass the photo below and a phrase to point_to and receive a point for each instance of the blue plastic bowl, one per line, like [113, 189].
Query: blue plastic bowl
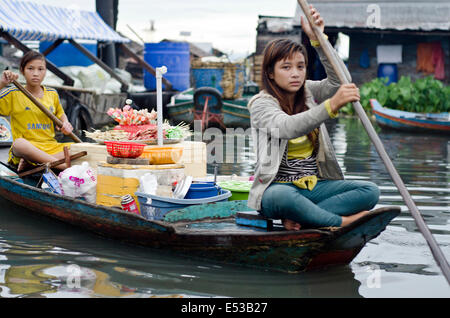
[202, 190]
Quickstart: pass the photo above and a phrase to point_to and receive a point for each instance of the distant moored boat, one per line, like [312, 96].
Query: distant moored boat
[409, 121]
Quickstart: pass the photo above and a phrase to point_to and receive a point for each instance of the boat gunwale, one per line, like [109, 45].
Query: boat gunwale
[411, 116]
[166, 225]
[237, 106]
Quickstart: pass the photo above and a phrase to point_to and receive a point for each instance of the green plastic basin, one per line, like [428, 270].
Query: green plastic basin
[239, 189]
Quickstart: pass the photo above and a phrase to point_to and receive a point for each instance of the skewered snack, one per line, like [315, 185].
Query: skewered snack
[147, 134]
[109, 135]
[130, 116]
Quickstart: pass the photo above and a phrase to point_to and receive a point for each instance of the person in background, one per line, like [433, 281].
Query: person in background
[33, 132]
[297, 177]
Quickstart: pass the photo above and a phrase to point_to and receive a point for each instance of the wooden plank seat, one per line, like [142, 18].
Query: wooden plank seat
[255, 219]
[43, 167]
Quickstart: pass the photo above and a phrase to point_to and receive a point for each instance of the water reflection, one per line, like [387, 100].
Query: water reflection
[62, 281]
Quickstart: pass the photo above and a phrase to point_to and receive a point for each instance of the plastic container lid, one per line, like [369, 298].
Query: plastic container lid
[236, 186]
[182, 187]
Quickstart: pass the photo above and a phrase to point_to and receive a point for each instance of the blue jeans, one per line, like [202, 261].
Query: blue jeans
[323, 206]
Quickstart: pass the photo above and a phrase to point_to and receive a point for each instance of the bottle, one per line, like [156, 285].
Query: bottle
[129, 204]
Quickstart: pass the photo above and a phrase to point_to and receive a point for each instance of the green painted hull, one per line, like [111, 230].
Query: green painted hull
[235, 113]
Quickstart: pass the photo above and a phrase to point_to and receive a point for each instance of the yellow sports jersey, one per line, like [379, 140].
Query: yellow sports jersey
[29, 122]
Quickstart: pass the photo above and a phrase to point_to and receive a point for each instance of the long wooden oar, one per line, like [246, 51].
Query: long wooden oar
[44, 109]
[326, 46]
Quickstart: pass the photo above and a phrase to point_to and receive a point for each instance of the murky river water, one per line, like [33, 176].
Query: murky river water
[40, 257]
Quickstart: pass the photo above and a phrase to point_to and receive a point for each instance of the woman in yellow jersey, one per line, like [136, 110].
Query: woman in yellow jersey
[33, 132]
[297, 176]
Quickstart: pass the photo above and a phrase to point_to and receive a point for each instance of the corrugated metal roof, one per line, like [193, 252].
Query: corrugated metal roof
[28, 21]
[383, 15]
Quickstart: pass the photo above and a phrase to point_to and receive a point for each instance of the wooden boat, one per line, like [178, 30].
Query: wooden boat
[184, 107]
[408, 121]
[209, 231]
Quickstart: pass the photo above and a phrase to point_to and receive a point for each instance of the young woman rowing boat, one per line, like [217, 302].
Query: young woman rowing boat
[297, 177]
[33, 132]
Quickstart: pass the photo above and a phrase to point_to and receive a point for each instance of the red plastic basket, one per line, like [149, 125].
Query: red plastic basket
[123, 149]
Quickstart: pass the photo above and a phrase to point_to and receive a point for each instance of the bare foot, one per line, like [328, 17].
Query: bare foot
[346, 220]
[23, 165]
[291, 225]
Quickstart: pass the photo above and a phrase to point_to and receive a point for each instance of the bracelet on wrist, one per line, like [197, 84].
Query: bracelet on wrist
[316, 43]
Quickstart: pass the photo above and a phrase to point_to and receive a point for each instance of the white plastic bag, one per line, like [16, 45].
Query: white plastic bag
[148, 183]
[94, 77]
[79, 181]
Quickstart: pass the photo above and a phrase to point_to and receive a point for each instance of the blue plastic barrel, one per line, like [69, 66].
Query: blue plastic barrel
[388, 71]
[68, 55]
[176, 56]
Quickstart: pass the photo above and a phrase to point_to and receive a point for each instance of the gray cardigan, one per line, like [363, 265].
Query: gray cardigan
[272, 128]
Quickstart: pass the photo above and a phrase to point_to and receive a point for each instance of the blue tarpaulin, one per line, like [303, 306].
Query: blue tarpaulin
[28, 21]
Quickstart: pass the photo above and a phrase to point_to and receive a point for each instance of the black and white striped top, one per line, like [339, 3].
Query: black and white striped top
[294, 169]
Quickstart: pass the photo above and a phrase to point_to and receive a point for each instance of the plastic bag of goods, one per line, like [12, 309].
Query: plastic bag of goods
[79, 181]
[94, 77]
[112, 87]
[148, 183]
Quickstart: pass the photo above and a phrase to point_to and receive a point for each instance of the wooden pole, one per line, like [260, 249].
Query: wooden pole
[53, 47]
[326, 46]
[44, 109]
[52, 164]
[135, 33]
[100, 63]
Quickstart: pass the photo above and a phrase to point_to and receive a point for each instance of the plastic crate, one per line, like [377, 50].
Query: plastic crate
[154, 207]
[123, 149]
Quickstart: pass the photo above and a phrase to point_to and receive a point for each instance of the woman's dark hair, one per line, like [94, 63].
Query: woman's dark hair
[30, 56]
[275, 51]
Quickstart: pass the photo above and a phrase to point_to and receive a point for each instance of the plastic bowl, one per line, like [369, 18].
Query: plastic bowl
[201, 190]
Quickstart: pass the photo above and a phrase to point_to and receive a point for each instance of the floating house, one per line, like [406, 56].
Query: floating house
[375, 38]
[391, 38]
